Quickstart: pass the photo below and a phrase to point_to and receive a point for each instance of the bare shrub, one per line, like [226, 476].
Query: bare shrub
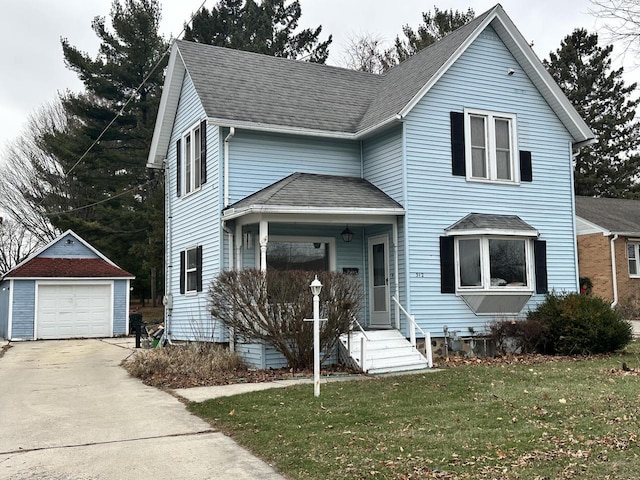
[177, 366]
[272, 307]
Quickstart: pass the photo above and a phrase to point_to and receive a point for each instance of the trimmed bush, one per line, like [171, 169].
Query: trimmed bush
[579, 324]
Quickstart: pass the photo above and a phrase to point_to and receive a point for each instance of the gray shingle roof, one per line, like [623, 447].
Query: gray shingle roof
[249, 87]
[613, 214]
[307, 190]
[483, 221]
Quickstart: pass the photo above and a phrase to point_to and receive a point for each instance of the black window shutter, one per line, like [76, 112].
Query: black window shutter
[178, 166]
[203, 151]
[526, 170]
[457, 144]
[447, 266]
[182, 271]
[540, 254]
[199, 269]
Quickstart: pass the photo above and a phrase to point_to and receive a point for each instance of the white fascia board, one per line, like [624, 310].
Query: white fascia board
[231, 213]
[497, 232]
[585, 227]
[552, 93]
[73, 279]
[167, 109]
[450, 61]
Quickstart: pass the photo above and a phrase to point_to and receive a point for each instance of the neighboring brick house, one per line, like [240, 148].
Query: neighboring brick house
[609, 228]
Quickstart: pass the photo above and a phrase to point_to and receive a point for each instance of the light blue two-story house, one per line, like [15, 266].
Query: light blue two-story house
[445, 184]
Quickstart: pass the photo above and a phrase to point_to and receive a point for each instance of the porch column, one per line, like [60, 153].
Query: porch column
[239, 246]
[264, 240]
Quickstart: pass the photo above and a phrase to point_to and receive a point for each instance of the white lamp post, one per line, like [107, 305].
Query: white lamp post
[316, 287]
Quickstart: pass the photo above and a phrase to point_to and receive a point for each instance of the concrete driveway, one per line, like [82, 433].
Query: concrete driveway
[68, 411]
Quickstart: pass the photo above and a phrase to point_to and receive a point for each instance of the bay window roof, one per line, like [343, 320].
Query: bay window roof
[491, 224]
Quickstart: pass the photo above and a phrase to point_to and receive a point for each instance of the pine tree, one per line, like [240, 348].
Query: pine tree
[267, 27]
[582, 69]
[107, 195]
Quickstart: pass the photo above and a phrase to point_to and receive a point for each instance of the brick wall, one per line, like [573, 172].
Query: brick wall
[594, 261]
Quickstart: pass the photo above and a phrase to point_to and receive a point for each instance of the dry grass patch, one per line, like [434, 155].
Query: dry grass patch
[190, 365]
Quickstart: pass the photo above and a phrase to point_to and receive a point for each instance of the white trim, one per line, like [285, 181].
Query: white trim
[127, 305]
[232, 213]
[586, 227]
[302, 239]
[10, 313]
[636, 251]
[322, 219]
[486, 287]
[74, 281]
[492, 232]
[72, 278]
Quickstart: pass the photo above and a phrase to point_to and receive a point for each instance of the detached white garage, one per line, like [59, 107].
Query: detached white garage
[66, 290]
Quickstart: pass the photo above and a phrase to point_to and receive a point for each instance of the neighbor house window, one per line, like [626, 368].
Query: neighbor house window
[632, 257]
[493, 263]
[490, 146]
[191, 270]
[192, 159]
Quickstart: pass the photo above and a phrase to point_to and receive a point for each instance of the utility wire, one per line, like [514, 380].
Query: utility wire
[120, 112]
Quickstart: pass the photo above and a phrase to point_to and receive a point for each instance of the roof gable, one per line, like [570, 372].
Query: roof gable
[249, 90]
[612, 214]
[46, 262]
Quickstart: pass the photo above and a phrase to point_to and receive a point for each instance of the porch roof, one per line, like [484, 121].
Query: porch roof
[491, 224]
[314, 193]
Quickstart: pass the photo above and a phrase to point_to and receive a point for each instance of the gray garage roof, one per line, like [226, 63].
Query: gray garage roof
[613, 214]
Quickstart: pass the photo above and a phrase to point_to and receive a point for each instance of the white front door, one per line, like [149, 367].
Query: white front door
[379, 282]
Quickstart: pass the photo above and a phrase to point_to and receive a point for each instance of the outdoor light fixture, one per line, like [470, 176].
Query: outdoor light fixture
[317, 244]
[347, 235]
[316, 287]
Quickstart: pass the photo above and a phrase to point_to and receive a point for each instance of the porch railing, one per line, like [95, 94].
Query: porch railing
[363, 342]
[412, 333]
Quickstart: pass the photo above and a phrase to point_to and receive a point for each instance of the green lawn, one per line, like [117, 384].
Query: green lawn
[559, 420]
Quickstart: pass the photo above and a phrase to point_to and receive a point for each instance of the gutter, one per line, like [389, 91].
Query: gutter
[232, 132]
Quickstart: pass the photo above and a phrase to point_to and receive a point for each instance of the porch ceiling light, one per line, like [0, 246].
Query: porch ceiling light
[316, 287]
[347, 235]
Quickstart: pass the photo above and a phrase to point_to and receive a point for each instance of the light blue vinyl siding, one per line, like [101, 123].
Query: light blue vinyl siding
[24, 295]
[265, 357]
[62, 249]
[195, 220]
[4, 309]
[259, 159]
[437, 199]
[120, 307]
[383, 162]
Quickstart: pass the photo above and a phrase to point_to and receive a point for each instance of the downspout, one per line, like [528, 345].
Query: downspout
[614, 271]
[168, 296]
[232, 132]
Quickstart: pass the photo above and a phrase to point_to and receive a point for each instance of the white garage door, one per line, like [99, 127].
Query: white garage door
[74, 311]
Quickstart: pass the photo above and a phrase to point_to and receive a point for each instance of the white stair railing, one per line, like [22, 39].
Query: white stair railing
[412, 333]
[363, 343]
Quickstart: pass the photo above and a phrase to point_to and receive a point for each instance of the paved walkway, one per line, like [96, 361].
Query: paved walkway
[70, 412]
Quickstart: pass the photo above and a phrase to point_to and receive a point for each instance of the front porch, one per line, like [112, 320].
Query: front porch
[302, 223]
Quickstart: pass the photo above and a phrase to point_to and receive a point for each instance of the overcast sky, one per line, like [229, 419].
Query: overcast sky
[33, 69]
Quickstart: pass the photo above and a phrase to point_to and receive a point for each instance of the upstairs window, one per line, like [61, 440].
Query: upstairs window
[490, 149]
[192, 160]
[191, 153]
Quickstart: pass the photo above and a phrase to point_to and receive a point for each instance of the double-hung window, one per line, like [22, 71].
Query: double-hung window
[191, 270]
[494, 263]
[192, 156]
[491, 146]
[633, 256]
